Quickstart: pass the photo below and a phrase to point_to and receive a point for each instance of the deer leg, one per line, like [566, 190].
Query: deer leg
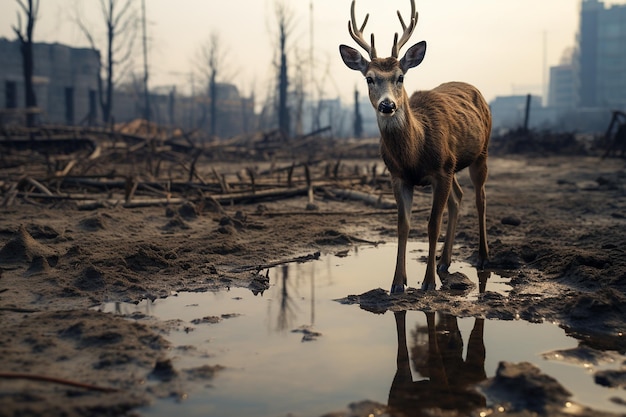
[403, 379]
[404, 198]
[441, 193]
[478, 175]
[454, 204]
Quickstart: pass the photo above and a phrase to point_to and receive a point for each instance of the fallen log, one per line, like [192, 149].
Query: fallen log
[316, 213]
[374, 200]
[242, 198]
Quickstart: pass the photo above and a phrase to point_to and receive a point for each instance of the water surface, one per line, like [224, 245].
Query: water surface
[292, 349]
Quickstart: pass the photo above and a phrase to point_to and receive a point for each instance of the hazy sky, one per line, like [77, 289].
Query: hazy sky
[498, 45]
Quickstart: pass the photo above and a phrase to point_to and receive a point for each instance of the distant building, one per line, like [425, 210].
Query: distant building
[589, 82]
[563, 93]
[65, 81]
[66, 87]
[602, 55]
[235, 114]
[508, 112]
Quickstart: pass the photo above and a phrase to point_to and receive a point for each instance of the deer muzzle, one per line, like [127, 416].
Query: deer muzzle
[387, 107]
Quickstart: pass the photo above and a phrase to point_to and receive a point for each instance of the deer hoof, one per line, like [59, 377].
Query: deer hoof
[396, 289]
[443, 268]
[428, 286]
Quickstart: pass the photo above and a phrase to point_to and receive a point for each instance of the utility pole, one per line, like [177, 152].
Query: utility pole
[314, 125]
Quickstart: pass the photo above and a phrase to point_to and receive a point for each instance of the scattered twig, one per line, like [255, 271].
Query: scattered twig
[54, 380]
[305, 258]
[38, 186]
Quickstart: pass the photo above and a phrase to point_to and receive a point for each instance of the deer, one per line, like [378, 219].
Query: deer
[425, 139]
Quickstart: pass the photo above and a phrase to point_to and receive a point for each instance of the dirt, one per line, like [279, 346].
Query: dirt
[555, 226]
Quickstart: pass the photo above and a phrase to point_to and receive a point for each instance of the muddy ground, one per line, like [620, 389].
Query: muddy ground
[556, 226]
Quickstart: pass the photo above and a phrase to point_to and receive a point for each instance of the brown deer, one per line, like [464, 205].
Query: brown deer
[425, 139]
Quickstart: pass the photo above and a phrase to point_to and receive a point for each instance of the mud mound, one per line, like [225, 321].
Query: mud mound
[42, 232]
[188, 211]
[90, 279]
[23, 248]
[148, 259]
[93, 224]
[176, 223]
[39, 265]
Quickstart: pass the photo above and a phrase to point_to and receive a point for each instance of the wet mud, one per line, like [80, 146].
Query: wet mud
[555, 228]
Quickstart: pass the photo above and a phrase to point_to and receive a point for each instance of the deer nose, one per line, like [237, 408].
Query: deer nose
[387, 107]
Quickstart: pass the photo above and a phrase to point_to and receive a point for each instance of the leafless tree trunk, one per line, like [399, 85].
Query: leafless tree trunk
[358, 119]
[213, 63]
[299, 94]
[284, 17]
[146, 93]
[120, 23]
[26, 48]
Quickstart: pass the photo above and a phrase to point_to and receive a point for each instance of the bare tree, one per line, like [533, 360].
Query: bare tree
[298, 92]
[144, 36]
[121, 24]
[358, 119]
[213, 63]
[284, 17]
[26, 48]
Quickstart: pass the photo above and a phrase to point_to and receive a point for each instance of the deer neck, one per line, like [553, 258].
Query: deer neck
[402, 136]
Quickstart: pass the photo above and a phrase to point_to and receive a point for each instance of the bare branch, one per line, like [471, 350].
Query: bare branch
[105, 11]
[36, 9]
[87, 34]
[23, 6]
[120, 14]
[18, 29]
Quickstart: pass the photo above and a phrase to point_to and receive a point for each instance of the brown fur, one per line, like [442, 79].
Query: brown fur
[426, 139]
[449, 126]
[438, 133]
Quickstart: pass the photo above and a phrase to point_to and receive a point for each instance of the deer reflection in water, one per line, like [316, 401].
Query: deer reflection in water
[437, 355]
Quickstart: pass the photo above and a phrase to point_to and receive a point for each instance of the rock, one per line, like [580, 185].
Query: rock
[523, 387]
[611, 378]
[511, 221]
[163, 370]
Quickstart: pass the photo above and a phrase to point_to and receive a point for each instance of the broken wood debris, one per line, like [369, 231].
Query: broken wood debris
[93, 167]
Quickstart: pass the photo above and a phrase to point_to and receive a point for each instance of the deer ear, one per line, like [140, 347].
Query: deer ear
[353, 59]
[414, 56]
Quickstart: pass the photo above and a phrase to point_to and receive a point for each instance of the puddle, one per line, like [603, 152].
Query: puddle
[294, 350]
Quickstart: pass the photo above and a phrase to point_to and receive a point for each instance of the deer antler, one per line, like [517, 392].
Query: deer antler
[408, 31]
[357, 34]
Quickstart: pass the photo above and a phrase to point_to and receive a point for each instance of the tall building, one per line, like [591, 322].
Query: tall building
[562, 94]
[602, 55]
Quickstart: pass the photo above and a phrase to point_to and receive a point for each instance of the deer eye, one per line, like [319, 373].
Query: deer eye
[369, 80]
[401, 79]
